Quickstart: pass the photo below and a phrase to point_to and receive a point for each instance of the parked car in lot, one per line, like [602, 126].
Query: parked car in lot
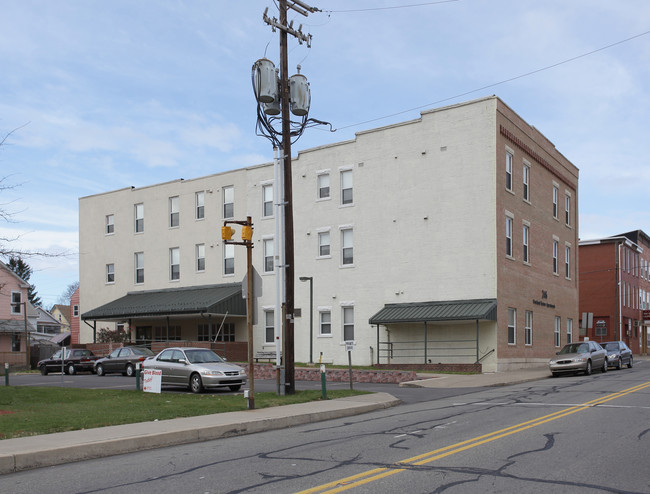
[618, 354]
[583, 356]
[75, 360]
[122, 360]
[197, 368]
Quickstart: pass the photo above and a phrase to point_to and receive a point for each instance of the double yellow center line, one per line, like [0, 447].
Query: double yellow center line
[379, 473]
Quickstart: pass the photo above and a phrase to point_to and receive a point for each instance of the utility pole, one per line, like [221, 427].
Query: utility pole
[295, 99]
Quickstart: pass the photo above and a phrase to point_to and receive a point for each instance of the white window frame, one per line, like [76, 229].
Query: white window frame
[269, 326]
[174, 263]
[199, 205]
[526, 242]
[509, 229]
[110, 273]
[267, 200]
[567, 209]
[512, 326]
[138, 261]
[138, 212]
[174, 212]
[325, 322]
[347, 246]
[526, 181]
[346, 325]
[323, 188]
[347, 186]
[556, 194]
[556, 331]
[567, 262]
[528, 328]
[569, 330]
[268, 247]
[322, 236]
[509, 160]
[228, 203]
[16, 303]
[228, 259]
[110, 224]
[556, 247]
[200, 257]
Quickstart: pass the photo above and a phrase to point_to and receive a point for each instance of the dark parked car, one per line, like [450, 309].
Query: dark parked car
[75, 360]
[197, 368]
[618, 354]
[583, 356]
[122, 360]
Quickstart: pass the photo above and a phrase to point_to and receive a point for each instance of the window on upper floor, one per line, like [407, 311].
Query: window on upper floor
[512, 326]
[323, 186]
[139, 267]
[347, 247]
[174, 211]
[348, 323]
[228, 259]
[110, 224]
[324, 244]
[110, 273]
[347, 196]
[229, 202]
[199, 202]
[174, 263]
[509, 222]
[555, 199]
[555, 249]
[16, 302]
[75, 311]
[525, 242]
[509, 171]
[567, 262]
[526, 180]
[267, 200]
[268, 255]
[139, 218]
[200, 257]
[269, 326]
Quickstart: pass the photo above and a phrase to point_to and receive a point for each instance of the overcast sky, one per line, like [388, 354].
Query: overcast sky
[108, 94]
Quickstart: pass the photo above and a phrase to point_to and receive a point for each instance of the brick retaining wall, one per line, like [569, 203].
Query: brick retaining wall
[268, 371]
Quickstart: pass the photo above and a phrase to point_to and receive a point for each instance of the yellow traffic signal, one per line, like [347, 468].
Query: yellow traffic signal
[247, 233]
[227, 233]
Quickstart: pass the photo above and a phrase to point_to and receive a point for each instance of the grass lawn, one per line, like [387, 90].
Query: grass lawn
[26, 411]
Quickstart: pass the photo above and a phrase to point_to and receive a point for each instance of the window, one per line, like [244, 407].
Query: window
[508, 236]
[16, 301]
[348, 323]
[269, 326]
[526, 179]
[567, 210]
[174, 215]
[512, 326]
[267, 200]
[15, 342]
[528, 328]
[347, 249]
[139, 267]
[509, 171]
[110, 224]
[323, 244]
[567, 262]
[216, 332]
[268, 255]
[139, 218]
[75, 311]
[324, 186]
[555, 199]
[229, 202]
[174, 263]
[165, 333]
[346, 187]
[556, 332]
[228, 259]
[325, 323]
[199, 200]
[200, 257]
[569, 330]
[525, 242]
[555, 247]
[110, 273]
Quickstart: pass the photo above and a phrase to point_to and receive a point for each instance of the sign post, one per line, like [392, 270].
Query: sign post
[349, 346]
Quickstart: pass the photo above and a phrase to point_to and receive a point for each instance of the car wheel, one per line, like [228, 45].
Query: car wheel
[130, 370]
[43, 370]
[196, 385]
[235, 387]
[619, 364]
[630, 363]
[604, 369]
[70, 369]
[588, 368]
[100, 370]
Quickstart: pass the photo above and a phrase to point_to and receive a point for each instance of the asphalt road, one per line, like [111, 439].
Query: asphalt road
[576, 434]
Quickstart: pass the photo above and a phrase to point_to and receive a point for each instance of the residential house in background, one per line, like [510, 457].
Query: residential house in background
[46, 323]
[17, 317]
[75, 319]
[451, 238]
[62, 314]
[615, 289]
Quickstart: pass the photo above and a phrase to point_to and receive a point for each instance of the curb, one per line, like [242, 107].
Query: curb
[66, 447]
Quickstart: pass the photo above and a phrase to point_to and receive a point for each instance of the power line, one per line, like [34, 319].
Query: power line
[389, 8]
[548, 67]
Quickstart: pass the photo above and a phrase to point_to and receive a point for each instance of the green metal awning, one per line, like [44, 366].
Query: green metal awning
[454, 310]
[209, 299]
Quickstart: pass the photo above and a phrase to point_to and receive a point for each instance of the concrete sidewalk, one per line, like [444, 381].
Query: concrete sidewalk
[479, 380]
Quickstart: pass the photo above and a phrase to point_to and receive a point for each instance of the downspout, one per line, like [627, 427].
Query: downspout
[425, 342]
[619, 288]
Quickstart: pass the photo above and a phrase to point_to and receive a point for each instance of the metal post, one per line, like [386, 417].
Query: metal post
[249, 310]
[311, 316]
[6, 373]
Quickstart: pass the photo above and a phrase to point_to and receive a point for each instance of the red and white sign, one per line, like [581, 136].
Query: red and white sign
[152, 379]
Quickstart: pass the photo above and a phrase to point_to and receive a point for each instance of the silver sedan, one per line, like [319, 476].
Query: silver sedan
[583, 356]
[198, 368]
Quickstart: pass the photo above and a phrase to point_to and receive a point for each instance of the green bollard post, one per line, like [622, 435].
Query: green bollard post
[6, 373]
[323, 381]
[137, 377]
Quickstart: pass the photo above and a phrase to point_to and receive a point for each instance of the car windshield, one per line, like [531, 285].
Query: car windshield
[610, 346]
[575, 348]
[202, 356]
